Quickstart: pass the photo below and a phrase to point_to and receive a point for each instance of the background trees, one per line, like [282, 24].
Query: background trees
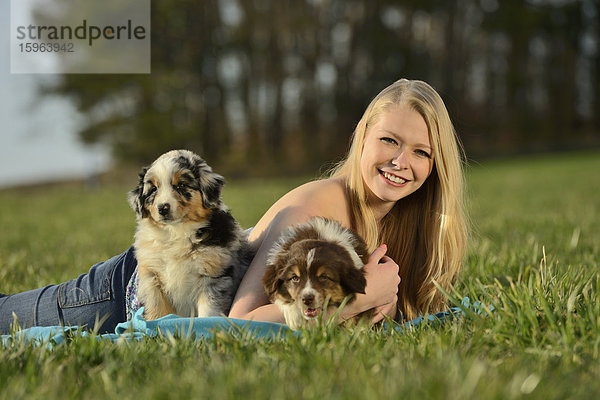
[277, 86]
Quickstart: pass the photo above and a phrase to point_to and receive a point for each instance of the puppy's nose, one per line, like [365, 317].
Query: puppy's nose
[308, 299]
[164, 209]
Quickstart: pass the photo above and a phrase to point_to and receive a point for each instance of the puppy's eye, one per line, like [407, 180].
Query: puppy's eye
[324, 278]
[294, 279]
[181, 186]
[152, 190]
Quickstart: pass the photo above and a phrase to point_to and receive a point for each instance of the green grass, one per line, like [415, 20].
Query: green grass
[533, 256]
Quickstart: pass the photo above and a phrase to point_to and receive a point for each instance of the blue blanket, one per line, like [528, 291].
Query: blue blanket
[172, 325]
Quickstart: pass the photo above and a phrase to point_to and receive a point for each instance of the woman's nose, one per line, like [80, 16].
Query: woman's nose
[400, 160]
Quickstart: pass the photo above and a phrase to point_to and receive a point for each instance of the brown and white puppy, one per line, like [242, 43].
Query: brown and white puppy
[313, 263]
[191, 253]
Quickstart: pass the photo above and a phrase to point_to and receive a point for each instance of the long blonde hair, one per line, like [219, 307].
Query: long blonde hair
[426, 232]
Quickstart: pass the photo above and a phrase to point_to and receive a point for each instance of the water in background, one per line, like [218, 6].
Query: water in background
[38, 139]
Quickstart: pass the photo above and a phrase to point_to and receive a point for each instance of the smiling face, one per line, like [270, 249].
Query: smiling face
[396, 158]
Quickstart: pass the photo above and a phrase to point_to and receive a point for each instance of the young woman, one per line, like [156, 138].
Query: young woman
[400, 188]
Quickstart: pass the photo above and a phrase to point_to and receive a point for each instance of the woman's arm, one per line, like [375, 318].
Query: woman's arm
[251, 301]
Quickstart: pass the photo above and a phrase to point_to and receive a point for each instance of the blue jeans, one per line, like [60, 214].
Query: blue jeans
[98, 295]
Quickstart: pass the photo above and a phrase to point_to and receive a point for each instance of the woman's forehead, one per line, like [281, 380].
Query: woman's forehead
[404, 123]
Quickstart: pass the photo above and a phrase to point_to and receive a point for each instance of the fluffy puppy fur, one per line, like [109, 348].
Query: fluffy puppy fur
[191, 253]
[313, 263]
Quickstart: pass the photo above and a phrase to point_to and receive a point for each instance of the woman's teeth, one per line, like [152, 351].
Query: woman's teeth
[393, 178]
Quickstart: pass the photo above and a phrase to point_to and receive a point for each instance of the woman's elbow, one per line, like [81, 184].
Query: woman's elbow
[237, 313]
[241, 309]
[267, 313]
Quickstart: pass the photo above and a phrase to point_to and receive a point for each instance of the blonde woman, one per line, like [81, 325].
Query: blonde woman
[401, 188]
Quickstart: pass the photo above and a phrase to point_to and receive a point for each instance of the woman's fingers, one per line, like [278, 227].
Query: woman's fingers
[381, 273]
[381, 292]
[377, 255]
[386, 309]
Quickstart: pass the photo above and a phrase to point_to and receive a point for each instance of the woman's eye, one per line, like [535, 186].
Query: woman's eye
[388, 140]
[423, 153]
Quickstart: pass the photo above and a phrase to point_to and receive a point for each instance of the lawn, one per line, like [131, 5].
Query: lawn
[533, 258]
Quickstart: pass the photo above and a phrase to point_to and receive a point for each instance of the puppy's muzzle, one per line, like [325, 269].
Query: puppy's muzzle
[308, 299]
[164, 209]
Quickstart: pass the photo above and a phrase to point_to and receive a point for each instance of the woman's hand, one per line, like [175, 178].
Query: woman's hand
[381, 292]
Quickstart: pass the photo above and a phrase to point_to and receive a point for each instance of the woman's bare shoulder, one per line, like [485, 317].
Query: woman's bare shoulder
[325, 197]
[319, 192]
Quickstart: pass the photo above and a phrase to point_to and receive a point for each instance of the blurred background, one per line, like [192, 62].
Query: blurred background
[276, 87]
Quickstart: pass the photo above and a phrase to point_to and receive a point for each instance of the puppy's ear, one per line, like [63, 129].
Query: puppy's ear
[273, 281]
[212, 184]
[135, 197]
[353, 280]
[360, 247]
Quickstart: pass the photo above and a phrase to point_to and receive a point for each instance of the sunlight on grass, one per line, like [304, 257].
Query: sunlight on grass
[532, 264]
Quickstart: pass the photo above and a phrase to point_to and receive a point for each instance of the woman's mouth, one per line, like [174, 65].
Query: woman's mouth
[393, 178]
